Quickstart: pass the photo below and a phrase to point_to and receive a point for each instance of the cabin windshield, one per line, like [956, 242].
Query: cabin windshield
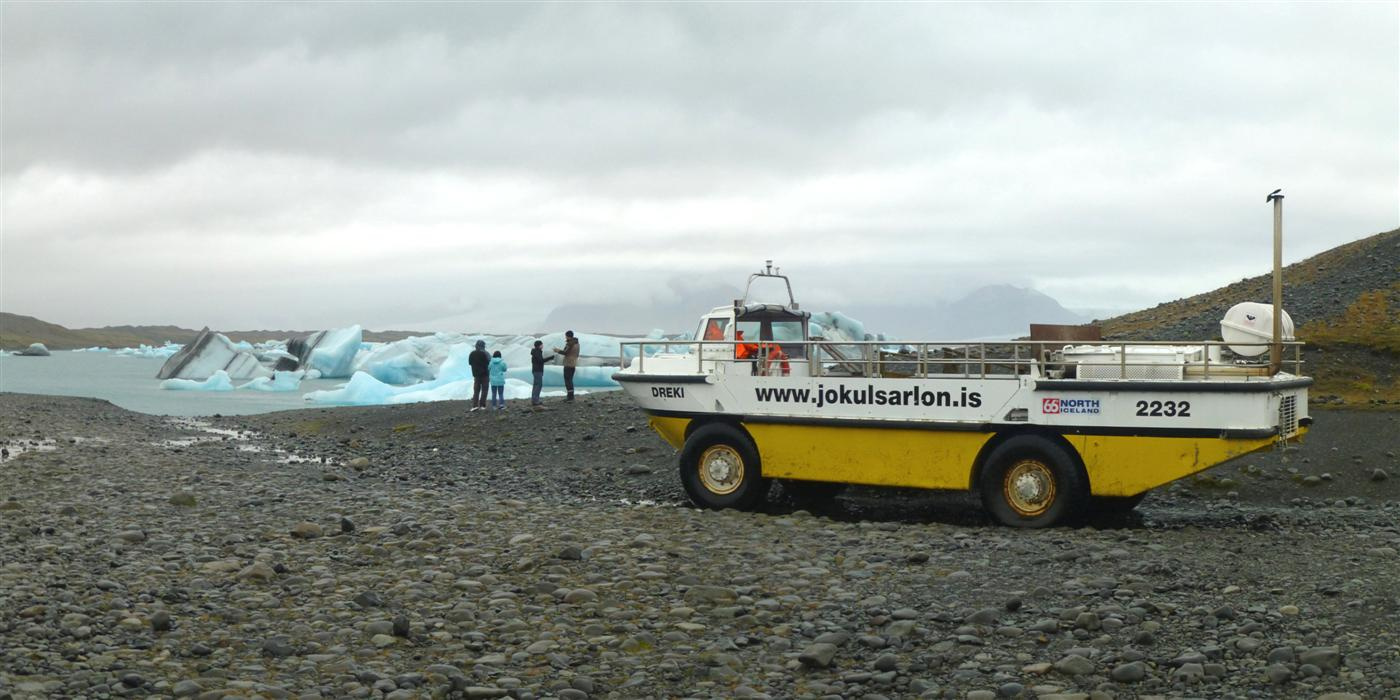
[788, 331]
[754, 336]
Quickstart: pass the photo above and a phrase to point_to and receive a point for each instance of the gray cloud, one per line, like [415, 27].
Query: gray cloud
[335, 162]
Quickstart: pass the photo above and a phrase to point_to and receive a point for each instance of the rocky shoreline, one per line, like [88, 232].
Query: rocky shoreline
[421, 551]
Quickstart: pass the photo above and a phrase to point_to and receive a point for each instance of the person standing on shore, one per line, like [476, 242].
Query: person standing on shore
[537, 360]
[570, 353]
[479, 361]
[497, 369]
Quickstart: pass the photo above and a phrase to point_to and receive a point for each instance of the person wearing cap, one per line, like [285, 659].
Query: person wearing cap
[570, 353]
[480, 362]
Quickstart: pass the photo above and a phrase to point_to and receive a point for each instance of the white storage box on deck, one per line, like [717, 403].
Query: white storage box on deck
[1143, 361]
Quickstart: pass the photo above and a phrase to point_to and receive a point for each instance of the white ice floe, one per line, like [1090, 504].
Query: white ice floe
[92, 349]
[279, 381]
[152, 351]
[218, 381]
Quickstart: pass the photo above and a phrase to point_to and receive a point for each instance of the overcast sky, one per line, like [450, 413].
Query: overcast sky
[471, 166]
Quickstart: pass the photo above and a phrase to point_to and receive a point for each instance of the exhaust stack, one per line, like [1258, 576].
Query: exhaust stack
[1276, 350]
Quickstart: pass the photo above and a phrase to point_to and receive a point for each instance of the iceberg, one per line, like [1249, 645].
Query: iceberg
[332, 353]
[218, 381]
[405, 361]
[34, 350]
[279, 381]
[834, 325]
[97, 348]
[211, 352]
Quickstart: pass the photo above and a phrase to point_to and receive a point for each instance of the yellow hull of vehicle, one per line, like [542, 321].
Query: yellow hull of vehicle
[931, 459]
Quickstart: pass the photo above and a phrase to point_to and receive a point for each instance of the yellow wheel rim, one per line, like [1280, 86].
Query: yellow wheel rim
[721, 470]
[1029, 488]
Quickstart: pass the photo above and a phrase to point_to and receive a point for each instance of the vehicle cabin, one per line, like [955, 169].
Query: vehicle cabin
[768, 336]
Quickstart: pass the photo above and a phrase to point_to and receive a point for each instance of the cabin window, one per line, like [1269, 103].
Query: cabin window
[746, 335]
[714, 329]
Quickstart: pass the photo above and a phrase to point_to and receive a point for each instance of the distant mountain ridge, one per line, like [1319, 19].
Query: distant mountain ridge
[993, 311]
[18, 331]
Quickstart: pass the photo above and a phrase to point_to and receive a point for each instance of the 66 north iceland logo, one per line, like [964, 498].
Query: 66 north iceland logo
[1060, 406]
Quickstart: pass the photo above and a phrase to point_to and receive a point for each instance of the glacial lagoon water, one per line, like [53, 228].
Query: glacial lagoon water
[130, 382]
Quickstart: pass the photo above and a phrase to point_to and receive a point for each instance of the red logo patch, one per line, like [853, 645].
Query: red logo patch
[1049, 405]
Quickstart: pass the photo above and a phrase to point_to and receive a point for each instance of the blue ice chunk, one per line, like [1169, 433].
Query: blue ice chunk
[596, 377]
[218, 381]
[397, 363]
[335, 355]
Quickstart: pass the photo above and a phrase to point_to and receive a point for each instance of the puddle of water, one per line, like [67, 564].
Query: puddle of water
[205, 427]
[214, 434]
[15, 448]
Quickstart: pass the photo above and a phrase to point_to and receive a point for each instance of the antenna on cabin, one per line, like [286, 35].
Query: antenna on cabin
[768, 267]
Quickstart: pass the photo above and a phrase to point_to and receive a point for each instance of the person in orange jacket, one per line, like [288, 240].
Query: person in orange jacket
[744, 351]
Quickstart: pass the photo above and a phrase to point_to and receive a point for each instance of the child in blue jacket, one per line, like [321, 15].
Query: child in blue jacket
[497, 369]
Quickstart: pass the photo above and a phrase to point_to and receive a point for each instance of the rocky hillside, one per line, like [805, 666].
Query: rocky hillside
[1322, 289]
[1345, 303]
[18, 331]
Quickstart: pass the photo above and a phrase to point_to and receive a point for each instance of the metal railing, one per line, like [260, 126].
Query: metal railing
[981, 360]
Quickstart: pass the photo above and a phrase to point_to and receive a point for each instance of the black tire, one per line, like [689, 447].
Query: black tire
[1030, 481]
[1115, 505]
[719, 468]
[815, 493]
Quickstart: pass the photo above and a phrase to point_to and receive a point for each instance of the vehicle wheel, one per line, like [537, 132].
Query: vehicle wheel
[1029, 481]
[817, 493]
[720, 469]
[1115, 504]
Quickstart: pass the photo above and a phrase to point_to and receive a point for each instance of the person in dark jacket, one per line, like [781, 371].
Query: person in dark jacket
[537, 360]
[480, 361]
[570, 353]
